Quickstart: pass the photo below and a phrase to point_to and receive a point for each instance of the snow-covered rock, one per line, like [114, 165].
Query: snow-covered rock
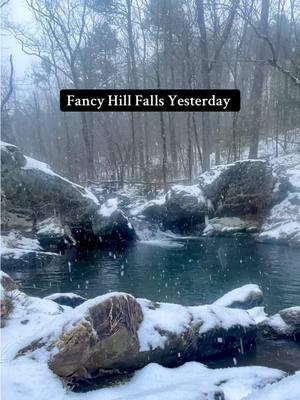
[285, 324]
[18, 250]
[35, 322]
[116, 332]
[283, 223]
[227, 226]
[238, 189]
[154, 210]
[245, 297]
[186, 207]
[34, 197]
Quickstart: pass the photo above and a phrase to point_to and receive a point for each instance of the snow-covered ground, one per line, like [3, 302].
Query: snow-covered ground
[27, 377]
[283, 222]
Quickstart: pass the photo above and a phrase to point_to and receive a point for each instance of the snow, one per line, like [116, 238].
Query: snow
[240, 295]
[28, 377]
[14, 245]
[137, 210]
[32, 163]
[49, 227]
[161, 243]
[108, 207]
[278, 323]
[286, 389]
[193, 190]
[213, 316]
[166, 317]
[38, 165]
[56, 296]
[257, 314]
[176, 318]
[210, 176]
[283, 223]
[191, 381]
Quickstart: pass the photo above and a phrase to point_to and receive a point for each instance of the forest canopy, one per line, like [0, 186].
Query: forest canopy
[250, 45]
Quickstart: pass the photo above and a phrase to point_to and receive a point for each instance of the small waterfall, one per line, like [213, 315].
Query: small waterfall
[206, 220]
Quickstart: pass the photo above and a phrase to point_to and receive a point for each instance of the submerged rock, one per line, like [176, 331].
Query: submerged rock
[245, 297]
[285, 324]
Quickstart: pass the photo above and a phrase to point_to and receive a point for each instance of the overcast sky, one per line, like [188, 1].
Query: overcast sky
[17, 12]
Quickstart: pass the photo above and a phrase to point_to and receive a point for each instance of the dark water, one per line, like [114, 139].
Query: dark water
[198, 272]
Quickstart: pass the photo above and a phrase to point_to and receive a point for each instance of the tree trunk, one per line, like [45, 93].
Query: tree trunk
[258, 81]
[205, 74]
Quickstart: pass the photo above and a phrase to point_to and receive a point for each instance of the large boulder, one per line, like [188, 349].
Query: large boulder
[36, 199]
[117, 333]
[186, 207]
[245, 187]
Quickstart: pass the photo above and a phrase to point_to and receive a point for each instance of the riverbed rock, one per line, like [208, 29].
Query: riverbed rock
[245, 297]
[32, 194]
[245, 187]
[110, 224]
[105, 339]
[285, 324]
[117, 333]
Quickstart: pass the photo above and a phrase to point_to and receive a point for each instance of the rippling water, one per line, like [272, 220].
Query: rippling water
[190, 271]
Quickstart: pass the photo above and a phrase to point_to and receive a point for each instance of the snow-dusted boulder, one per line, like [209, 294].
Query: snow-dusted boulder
[66, 299]
[186, 207]
[50, 232]
[285, 324]
[34, 190]
[153, 210]
[115, 333]
[245, 187]
[33, 193]
[110, 224]
[228, 226]
[245, 297]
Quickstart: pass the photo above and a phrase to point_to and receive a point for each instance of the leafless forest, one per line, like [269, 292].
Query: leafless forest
[251, 45]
